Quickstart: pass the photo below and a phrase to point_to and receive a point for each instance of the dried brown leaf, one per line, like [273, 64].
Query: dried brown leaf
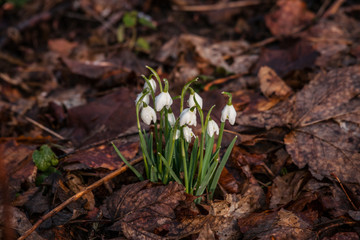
[142, 208]
[287, 188]
[271, 85]
[324, 118]
[278, 225]
[102, 156]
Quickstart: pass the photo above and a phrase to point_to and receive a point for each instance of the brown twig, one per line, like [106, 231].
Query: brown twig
[216, 7]
[44, 128]
[344, 190]
[220, 81]
[76, 197]
[333, 9]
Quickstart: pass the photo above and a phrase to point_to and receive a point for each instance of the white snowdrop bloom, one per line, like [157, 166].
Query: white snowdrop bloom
[188, 117]
[146, 99]
[191, 101]
[148, 114]
[171, 119]
[152, 83]
[212, 128]
[228, 113]
[177, 134]
[163, 100]
[188, 133]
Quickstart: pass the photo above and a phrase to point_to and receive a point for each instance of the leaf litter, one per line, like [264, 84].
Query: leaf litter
[293, 70]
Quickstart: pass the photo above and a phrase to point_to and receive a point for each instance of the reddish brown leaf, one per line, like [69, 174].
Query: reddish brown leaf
[61, 46]
[18, 161]
[103, 156]
[291, 15]
[325, 119]
[278, 225]
[143, 207]
[287, 188]
[104, 118]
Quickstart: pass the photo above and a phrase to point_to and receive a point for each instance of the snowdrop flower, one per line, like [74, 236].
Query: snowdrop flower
[148, 114]
[212, 128]
[188, 133]
[191, 101]
[152, 83]
[228, 113]
[188, 117]
[146, 99]
[177, 134]
[171, 118]
[163, 100]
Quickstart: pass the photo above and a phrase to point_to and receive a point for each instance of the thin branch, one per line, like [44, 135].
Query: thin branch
[76, 197]
[216, 7]
[44, 128]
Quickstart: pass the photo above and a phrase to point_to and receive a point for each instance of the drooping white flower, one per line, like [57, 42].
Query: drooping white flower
[152, 83]
[171, 119]
[163, 100]
[148, 114]
[228, 113]
[191, 101]
[177, 134]
[212, 128]
[188, 117]
[146, 99]
[188, 133]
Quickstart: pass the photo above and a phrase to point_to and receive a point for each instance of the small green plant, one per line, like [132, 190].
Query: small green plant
[167, 150]
[45, 160]
[129, 22]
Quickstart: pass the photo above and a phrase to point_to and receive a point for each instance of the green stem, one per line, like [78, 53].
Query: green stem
[156, 76]
[183, 93]
[183, 156]
[218, 146]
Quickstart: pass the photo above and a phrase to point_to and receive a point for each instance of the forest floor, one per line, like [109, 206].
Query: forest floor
[70, 72]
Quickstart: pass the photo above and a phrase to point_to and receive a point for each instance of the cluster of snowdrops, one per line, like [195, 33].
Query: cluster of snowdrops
[169, 151]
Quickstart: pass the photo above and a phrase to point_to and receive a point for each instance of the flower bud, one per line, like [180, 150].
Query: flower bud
[228, 113]
[212, 128]
[191, 101]
[188, 133]
[163, 100]
[188, 117]
[148, 114]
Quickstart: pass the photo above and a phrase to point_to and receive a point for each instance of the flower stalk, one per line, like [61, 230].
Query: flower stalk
[169, 151]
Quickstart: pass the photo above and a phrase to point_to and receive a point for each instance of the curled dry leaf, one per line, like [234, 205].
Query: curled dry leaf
[324, 118]
[287, 188]
[239, 205]
[271, 85]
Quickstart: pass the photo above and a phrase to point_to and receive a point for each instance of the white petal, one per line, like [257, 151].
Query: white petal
[152, 83]
[188, 133]
[188, 117]
[148, 114]
[177, 134]
[191, 101]
[146, 99]
[228, 113]
[163, 100]
[171, 119]
[212, 128]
